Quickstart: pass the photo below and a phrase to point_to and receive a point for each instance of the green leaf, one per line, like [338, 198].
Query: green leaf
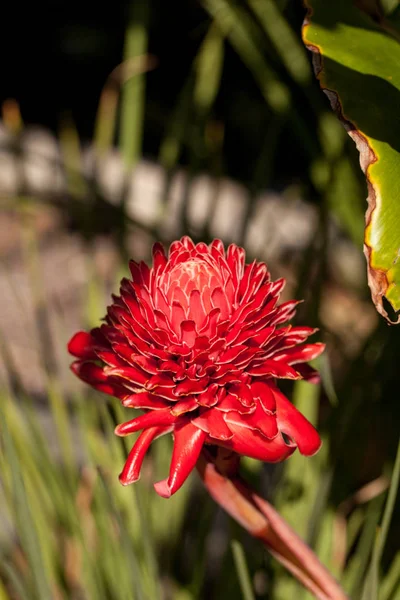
[357, 60]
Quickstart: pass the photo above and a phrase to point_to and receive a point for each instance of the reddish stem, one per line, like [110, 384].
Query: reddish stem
[263, 522]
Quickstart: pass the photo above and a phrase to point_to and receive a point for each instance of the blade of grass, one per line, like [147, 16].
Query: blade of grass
[208, 64]
[237, 26]
[325, 371]
[15, 581]
[148, 543]
[133, 90]
[70, 146]
[23, 515]
[170, 147]
[370, 591]
[107, 111]
[288, 46]
[242, 570]
[303, 494]
[144, 530]
[57, 401]
[126, 545]
[391, 581]
[208, 70]
[355, 573]
[389, 507]
[301, 475]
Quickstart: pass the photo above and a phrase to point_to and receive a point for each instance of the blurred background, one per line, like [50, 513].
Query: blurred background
[125, 125]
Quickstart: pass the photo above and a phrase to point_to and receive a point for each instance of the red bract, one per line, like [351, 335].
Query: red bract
[198, 342]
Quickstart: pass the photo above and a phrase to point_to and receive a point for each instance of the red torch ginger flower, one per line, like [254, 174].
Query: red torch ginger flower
[198, 342]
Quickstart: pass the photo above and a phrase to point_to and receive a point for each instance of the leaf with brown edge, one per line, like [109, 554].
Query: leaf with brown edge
[356, 61]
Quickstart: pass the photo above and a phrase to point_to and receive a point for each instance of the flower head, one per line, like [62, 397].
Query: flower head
[198, 341]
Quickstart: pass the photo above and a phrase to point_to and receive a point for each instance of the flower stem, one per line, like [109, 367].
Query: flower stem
[263, 522]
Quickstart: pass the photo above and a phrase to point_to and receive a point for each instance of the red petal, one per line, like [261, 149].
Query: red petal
[277, 286]
[285, 312]
[263, 336]
[245, 282]
[295, 425]
[179, 295]
[154, 418]
[145, 400]
[122, 350]
[111, 359]
[297, 335]
[81, 346]
[243, 393]
[219, 300]
[147, 364]
[188, 443]
[124, 321]
[221, 370]
[308, 373]
[188, 333]
[95, 376]
[196, 309]
[258, 420]
[161, 380]
[231, 354]
[201, 248]
[259, 277]
[138, 345]
[140, 272]
[184, 406]
[161, 302]
[264, 316]
[217, 248]
[263, 393]
[168, 393]
[246, 358]
[169, 366]
[254, 305]
[212, 422]
[130, 373]
[176, 246]
[161, 337]
[230, 403]
[249, 442]
[181, 350]
[159, 258]
[210, 326]
[131, 470]
[99, 335]
[238, 335]
[300, 353]
[178, 315]
[235, 257]
[209, 397]
[134, 308]
[187, 243]
[274, 343]
[191, 387]
[274, 368]
[215, 348]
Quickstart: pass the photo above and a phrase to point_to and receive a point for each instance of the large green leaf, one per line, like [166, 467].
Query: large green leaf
[357, 62]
